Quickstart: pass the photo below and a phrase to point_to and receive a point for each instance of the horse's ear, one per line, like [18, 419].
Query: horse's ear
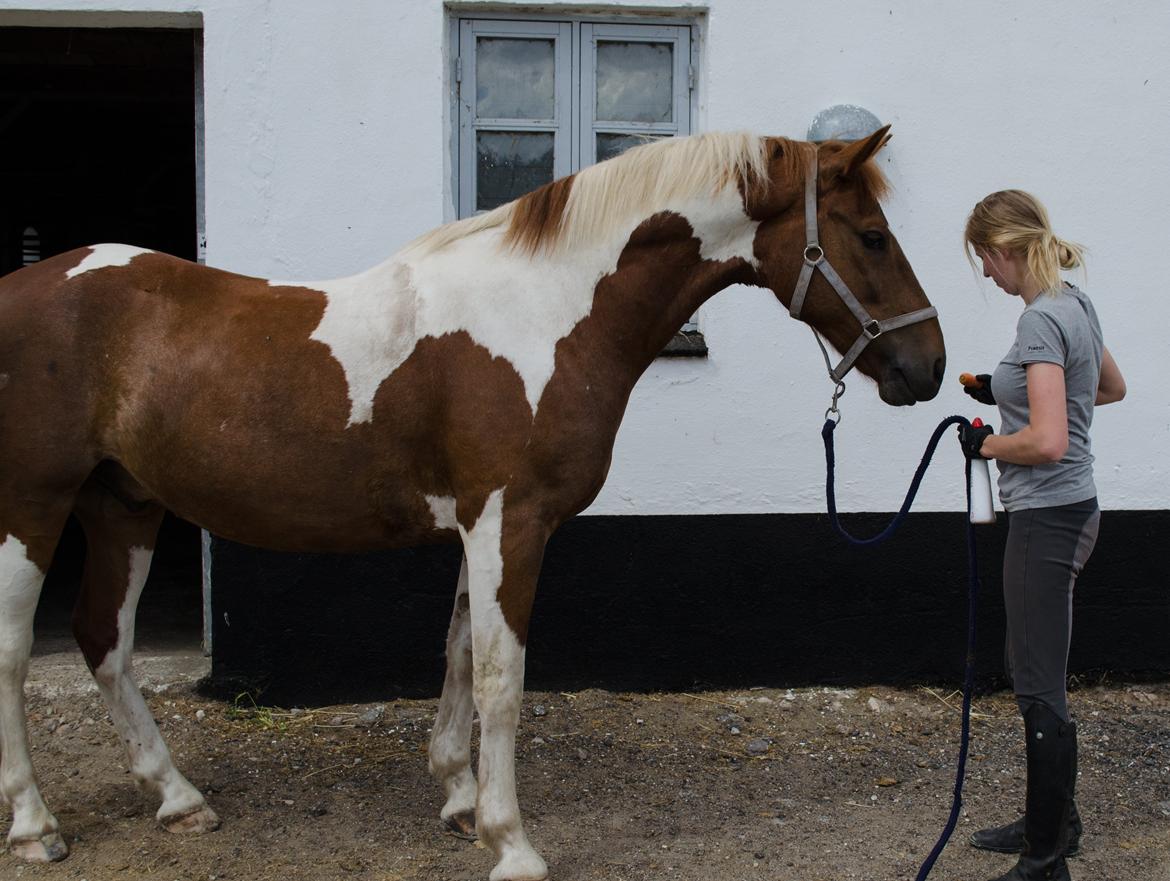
[849, 160]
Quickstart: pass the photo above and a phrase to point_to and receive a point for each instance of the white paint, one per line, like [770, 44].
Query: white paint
[150, 760]
[443, 510]
[20, 587]
[290, 87]
[498, 674]
[101, 256]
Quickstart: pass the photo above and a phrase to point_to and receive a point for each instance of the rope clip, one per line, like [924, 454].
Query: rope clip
[836, 413]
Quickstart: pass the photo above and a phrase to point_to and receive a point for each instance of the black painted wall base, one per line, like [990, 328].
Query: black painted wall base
[661, 603]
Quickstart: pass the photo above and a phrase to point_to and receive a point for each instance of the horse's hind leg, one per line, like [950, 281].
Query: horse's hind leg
[34, 834]
[120, 538]
[450, 752]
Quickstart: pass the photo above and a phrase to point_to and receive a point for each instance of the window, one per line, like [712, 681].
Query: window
[538, 100]
[541, 99]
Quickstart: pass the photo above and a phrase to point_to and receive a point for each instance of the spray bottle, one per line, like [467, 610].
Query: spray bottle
[980, 487]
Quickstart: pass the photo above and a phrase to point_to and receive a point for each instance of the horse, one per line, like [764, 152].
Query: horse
[468, 389]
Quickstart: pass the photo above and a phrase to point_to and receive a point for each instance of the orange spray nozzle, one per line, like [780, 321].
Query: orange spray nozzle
[969, 380]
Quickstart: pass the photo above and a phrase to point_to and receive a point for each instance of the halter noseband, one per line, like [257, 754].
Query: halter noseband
[814, 259]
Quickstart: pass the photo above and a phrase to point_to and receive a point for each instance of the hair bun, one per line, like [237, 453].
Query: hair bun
[1069, 259]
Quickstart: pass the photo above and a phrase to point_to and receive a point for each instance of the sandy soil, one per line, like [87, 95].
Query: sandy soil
[803, 785]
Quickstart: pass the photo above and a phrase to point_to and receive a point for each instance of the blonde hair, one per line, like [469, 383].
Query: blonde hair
[1017, 223]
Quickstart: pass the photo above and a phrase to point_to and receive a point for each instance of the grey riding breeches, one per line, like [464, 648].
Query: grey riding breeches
[1046, 550]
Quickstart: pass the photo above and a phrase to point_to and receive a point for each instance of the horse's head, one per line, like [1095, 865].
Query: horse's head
[855, 240]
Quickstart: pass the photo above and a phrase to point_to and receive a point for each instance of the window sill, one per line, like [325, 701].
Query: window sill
[685, 344]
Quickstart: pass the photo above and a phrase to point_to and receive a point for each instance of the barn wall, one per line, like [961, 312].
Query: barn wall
[327, 146]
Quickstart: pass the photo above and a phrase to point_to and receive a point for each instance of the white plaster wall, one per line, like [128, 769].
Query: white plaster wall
[327, 146]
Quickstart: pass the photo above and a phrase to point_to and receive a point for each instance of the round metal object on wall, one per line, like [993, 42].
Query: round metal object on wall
[843, 122]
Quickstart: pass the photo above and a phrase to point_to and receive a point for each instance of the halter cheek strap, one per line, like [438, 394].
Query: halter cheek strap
[814, 259]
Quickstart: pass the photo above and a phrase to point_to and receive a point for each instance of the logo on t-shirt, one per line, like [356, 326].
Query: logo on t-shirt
[1036, 348]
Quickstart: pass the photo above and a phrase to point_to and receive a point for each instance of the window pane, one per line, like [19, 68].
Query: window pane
[514, 79]
[635, 82]
[510, 164]
[611, 145]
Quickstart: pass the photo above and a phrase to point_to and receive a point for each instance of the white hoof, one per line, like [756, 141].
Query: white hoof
[47, 849]
[195, 822]
[520, 865]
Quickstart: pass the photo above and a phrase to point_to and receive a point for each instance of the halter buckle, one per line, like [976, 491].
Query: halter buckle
[810, 248]
[872, 329]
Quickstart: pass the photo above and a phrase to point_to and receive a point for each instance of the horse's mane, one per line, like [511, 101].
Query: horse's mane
[586, 207]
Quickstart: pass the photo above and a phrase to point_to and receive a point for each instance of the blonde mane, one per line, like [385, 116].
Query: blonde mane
[583, 209]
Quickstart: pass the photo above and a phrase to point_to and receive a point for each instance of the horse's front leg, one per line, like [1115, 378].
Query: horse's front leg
[450, 752]
[503, 560]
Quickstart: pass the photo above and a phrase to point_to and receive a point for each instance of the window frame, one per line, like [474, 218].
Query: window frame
[466, 23]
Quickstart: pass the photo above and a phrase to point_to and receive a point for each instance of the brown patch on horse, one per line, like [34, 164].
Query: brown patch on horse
[116, 517]
[597, 366]
[537, 216]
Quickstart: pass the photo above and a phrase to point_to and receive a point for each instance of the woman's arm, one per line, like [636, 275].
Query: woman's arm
[1112, 385]
[1045, 437]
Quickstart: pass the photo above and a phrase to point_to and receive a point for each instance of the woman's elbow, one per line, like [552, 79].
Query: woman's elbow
[1053, 449]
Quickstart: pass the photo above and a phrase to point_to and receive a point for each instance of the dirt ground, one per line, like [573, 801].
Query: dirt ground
[802, 785]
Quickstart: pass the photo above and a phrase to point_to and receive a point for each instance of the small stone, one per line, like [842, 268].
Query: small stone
[887, 781]
[371, 717]
[540, 710]
[733, 730]
[538, 741]
[337, 720]
[877, 706]
[758, 746]
[730, 719]
[318, 810]
[52, 725]
[200, 715]
[582, 755]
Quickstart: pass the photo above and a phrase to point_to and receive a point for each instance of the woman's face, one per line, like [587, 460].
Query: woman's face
[1006, 270]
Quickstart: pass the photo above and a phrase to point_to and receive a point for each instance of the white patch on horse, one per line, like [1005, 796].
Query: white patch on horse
[498, 677]
[150, 760]
[443, 510]
[33, 834]
[516, 306]
[101, 256]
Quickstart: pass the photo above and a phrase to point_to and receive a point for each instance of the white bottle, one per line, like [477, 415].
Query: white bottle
[982, 510]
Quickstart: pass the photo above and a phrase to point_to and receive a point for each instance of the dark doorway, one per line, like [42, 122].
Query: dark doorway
[98, 144]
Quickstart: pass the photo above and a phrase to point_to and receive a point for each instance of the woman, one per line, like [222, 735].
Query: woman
[1046, 387]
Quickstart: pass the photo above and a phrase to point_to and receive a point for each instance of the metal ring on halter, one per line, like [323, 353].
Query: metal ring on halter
[813, 246]
[872, 329]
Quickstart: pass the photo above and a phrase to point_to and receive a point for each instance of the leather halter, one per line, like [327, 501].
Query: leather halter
[814, 259]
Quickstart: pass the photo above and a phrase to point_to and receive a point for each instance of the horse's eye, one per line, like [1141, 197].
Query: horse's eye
[874, 240]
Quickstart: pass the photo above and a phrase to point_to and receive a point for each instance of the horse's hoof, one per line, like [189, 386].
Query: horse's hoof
[520, 866]
[461, 825]
[196, 822]
[47, 849]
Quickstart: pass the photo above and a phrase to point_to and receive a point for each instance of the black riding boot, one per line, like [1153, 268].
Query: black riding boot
[1051, 748]
[1010, 838]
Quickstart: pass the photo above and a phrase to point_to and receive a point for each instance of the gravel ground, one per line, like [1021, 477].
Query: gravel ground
[801, 785]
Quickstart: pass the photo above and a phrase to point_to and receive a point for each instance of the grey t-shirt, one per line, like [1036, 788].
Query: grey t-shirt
[1058, 329]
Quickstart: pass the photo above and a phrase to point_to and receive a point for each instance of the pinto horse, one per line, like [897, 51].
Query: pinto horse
[468, 389]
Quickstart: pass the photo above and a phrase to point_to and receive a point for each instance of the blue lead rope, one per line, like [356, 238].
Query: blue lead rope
[972, 602]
